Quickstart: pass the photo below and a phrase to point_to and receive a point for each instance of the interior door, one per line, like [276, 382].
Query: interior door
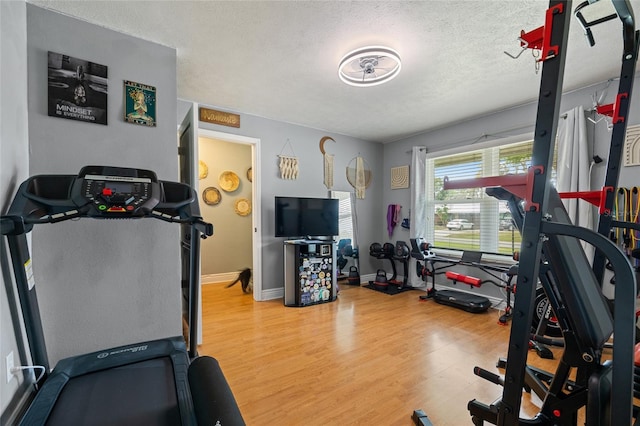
[187, 160]
[188, 147]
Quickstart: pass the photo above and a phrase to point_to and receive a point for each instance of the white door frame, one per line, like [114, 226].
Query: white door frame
[255, 199]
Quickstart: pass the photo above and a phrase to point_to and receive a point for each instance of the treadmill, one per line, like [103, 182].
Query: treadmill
[157, 382]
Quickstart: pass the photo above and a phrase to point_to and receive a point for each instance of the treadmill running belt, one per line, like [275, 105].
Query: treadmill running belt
[142, 393]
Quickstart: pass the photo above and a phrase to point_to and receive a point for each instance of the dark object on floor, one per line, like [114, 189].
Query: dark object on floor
[244, 277]
[354, 276]
[380, 282]
[390, 289]
[420, 418]
[466, 301]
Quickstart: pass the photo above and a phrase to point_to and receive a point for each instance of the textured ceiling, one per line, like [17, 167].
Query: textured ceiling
[279, 60]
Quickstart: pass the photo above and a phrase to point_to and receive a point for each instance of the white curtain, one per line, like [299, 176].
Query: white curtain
[418, 217]
[574, 168]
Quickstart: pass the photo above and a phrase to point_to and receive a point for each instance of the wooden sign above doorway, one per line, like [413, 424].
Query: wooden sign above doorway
[219, 117]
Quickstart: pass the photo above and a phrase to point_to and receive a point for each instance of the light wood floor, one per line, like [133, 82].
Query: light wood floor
[367, 358]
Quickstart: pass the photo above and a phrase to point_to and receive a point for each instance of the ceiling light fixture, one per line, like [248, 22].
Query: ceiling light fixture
[369, 66]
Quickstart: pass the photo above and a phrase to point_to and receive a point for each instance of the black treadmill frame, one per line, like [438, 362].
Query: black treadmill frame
[37, 203]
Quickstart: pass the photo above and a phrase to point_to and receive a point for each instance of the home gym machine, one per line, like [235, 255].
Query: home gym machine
[153, 383]
[421, 251]
[401, 253]
[584, 339]
[551, 253]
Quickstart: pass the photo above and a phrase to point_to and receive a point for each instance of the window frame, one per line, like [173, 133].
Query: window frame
[493, 212]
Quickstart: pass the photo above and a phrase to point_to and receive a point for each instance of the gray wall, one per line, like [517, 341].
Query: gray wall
[372, 211]
[14, 168]
[273, 137]
[103, 283]
[230, 249]
[513, 121]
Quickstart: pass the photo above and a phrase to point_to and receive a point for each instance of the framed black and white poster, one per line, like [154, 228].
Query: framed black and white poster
[77, 89]
[139, 103]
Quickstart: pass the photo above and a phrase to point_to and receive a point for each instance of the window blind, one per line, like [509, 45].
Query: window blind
[490, 218]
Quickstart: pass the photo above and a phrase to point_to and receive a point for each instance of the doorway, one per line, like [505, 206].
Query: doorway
[234, 205]
[188, 134]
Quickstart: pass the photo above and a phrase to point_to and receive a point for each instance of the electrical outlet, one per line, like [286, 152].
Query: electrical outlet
[9, 364]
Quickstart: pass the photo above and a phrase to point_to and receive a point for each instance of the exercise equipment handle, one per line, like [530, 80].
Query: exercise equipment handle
[546, 341]
[104, 193]
[205, 228]
[487, 375]
[466, 279]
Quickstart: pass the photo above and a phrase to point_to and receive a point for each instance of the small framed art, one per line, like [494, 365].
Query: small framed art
[400, 177]
[140, 103]
[77, 89]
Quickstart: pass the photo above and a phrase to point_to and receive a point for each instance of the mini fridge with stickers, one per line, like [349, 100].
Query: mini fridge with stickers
[309, 272]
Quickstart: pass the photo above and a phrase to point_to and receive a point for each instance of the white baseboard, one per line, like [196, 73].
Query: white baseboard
[364, 279]
[218, 278]
[268, 294]
[272, 293]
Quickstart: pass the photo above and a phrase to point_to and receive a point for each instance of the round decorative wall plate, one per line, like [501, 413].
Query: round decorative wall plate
[228, 181]
[203, 170]
[250, 174]
[243, 207]
[211, 196]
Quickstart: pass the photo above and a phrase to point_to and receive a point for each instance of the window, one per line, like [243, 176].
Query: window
[469, 219]
[345, 217]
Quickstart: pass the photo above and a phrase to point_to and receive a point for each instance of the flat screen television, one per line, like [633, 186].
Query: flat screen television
[306, 217]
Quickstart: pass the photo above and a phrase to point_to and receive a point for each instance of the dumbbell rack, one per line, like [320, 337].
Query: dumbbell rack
[388, 251]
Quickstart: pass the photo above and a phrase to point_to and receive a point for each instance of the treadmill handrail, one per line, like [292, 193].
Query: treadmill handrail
[28, 208]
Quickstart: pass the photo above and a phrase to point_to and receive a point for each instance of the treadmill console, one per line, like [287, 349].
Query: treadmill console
[116, 191]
